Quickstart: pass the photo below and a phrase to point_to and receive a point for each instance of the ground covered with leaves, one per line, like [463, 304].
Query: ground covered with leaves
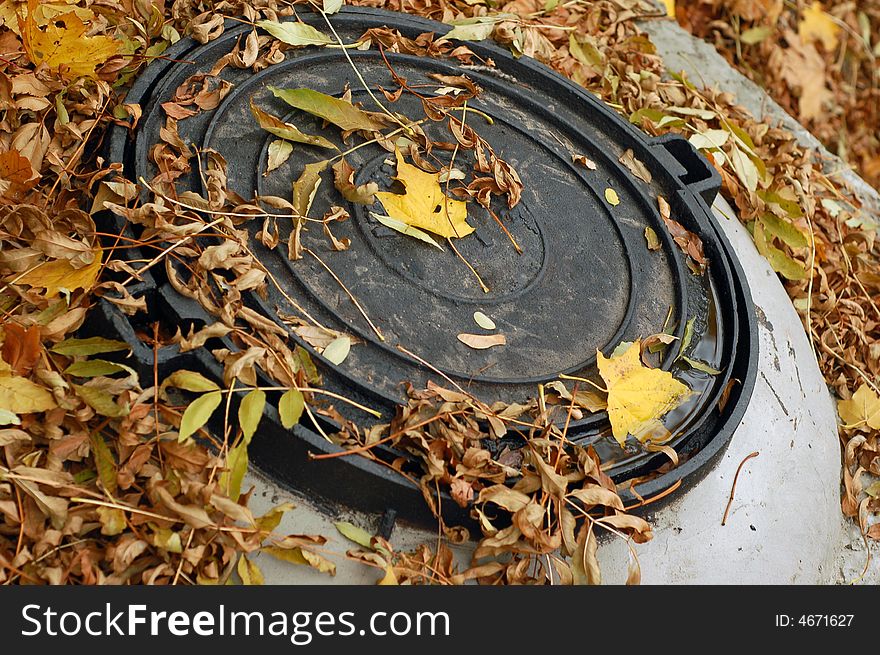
[101, 480]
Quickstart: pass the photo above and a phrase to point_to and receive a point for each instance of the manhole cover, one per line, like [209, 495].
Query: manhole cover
[580, 278]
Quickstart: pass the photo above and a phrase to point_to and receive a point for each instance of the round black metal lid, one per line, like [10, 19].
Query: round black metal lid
[585, 279]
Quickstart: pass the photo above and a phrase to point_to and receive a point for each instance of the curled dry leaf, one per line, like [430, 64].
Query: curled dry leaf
[635, 166]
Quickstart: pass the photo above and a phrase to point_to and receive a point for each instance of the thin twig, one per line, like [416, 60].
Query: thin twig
[350, 294]
[733, 486]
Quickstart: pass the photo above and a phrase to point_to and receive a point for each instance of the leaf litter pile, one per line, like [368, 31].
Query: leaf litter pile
[105, 481]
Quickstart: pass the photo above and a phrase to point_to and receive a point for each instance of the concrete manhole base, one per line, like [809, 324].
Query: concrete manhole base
[784, 525]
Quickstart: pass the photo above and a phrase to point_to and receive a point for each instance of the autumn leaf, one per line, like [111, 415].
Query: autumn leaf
[334, 110]
[21, 396]
[817, 25]
[482, 341]
[611, 197]
[424, 205]
[294, 33]
[21, 347]
[343, 180]
[250, 411]
[88, 346]
[279, 152]
[332, 6]
[484, 321]
[197, 414]
[249, 572]
[59, 274]
[637, 396]
[862, 410]
[337, 350]
[353, 533]
[287, 131]
[306, 186]
[16, 174]
[290, 407]
[236, 467]
[63, 44]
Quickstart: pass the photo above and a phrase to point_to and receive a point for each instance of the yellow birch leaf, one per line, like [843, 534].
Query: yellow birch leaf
[637, 396]
[817, 25]
[60, 274]
[63, 45]
[863, 409]
[424, 205]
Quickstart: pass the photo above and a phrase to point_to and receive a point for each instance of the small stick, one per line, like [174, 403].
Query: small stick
[733, 486]
[505, 230]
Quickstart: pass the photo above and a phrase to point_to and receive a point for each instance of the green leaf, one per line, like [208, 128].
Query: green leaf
[337, 350]
[332, 6]
[779, 261]
[655, 116]
[293, 33]
[90, 346]
[354, 533]
[101, 401]
[308, 365]
[789, 206]
[687, 336]
[287, 131]
[236, 465]
[91, 368]
[197, 414]
[291, 407]
[190, 381]
[104, 462]
[403, 228]
[784, 230]
[335, 110]
[250, 411]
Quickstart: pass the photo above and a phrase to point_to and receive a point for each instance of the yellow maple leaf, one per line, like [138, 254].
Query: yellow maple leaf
[63, 44]
[11, 10]
[637, 396]
[424, 205]
[59, 274]
[817, 25]
[863, 409]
